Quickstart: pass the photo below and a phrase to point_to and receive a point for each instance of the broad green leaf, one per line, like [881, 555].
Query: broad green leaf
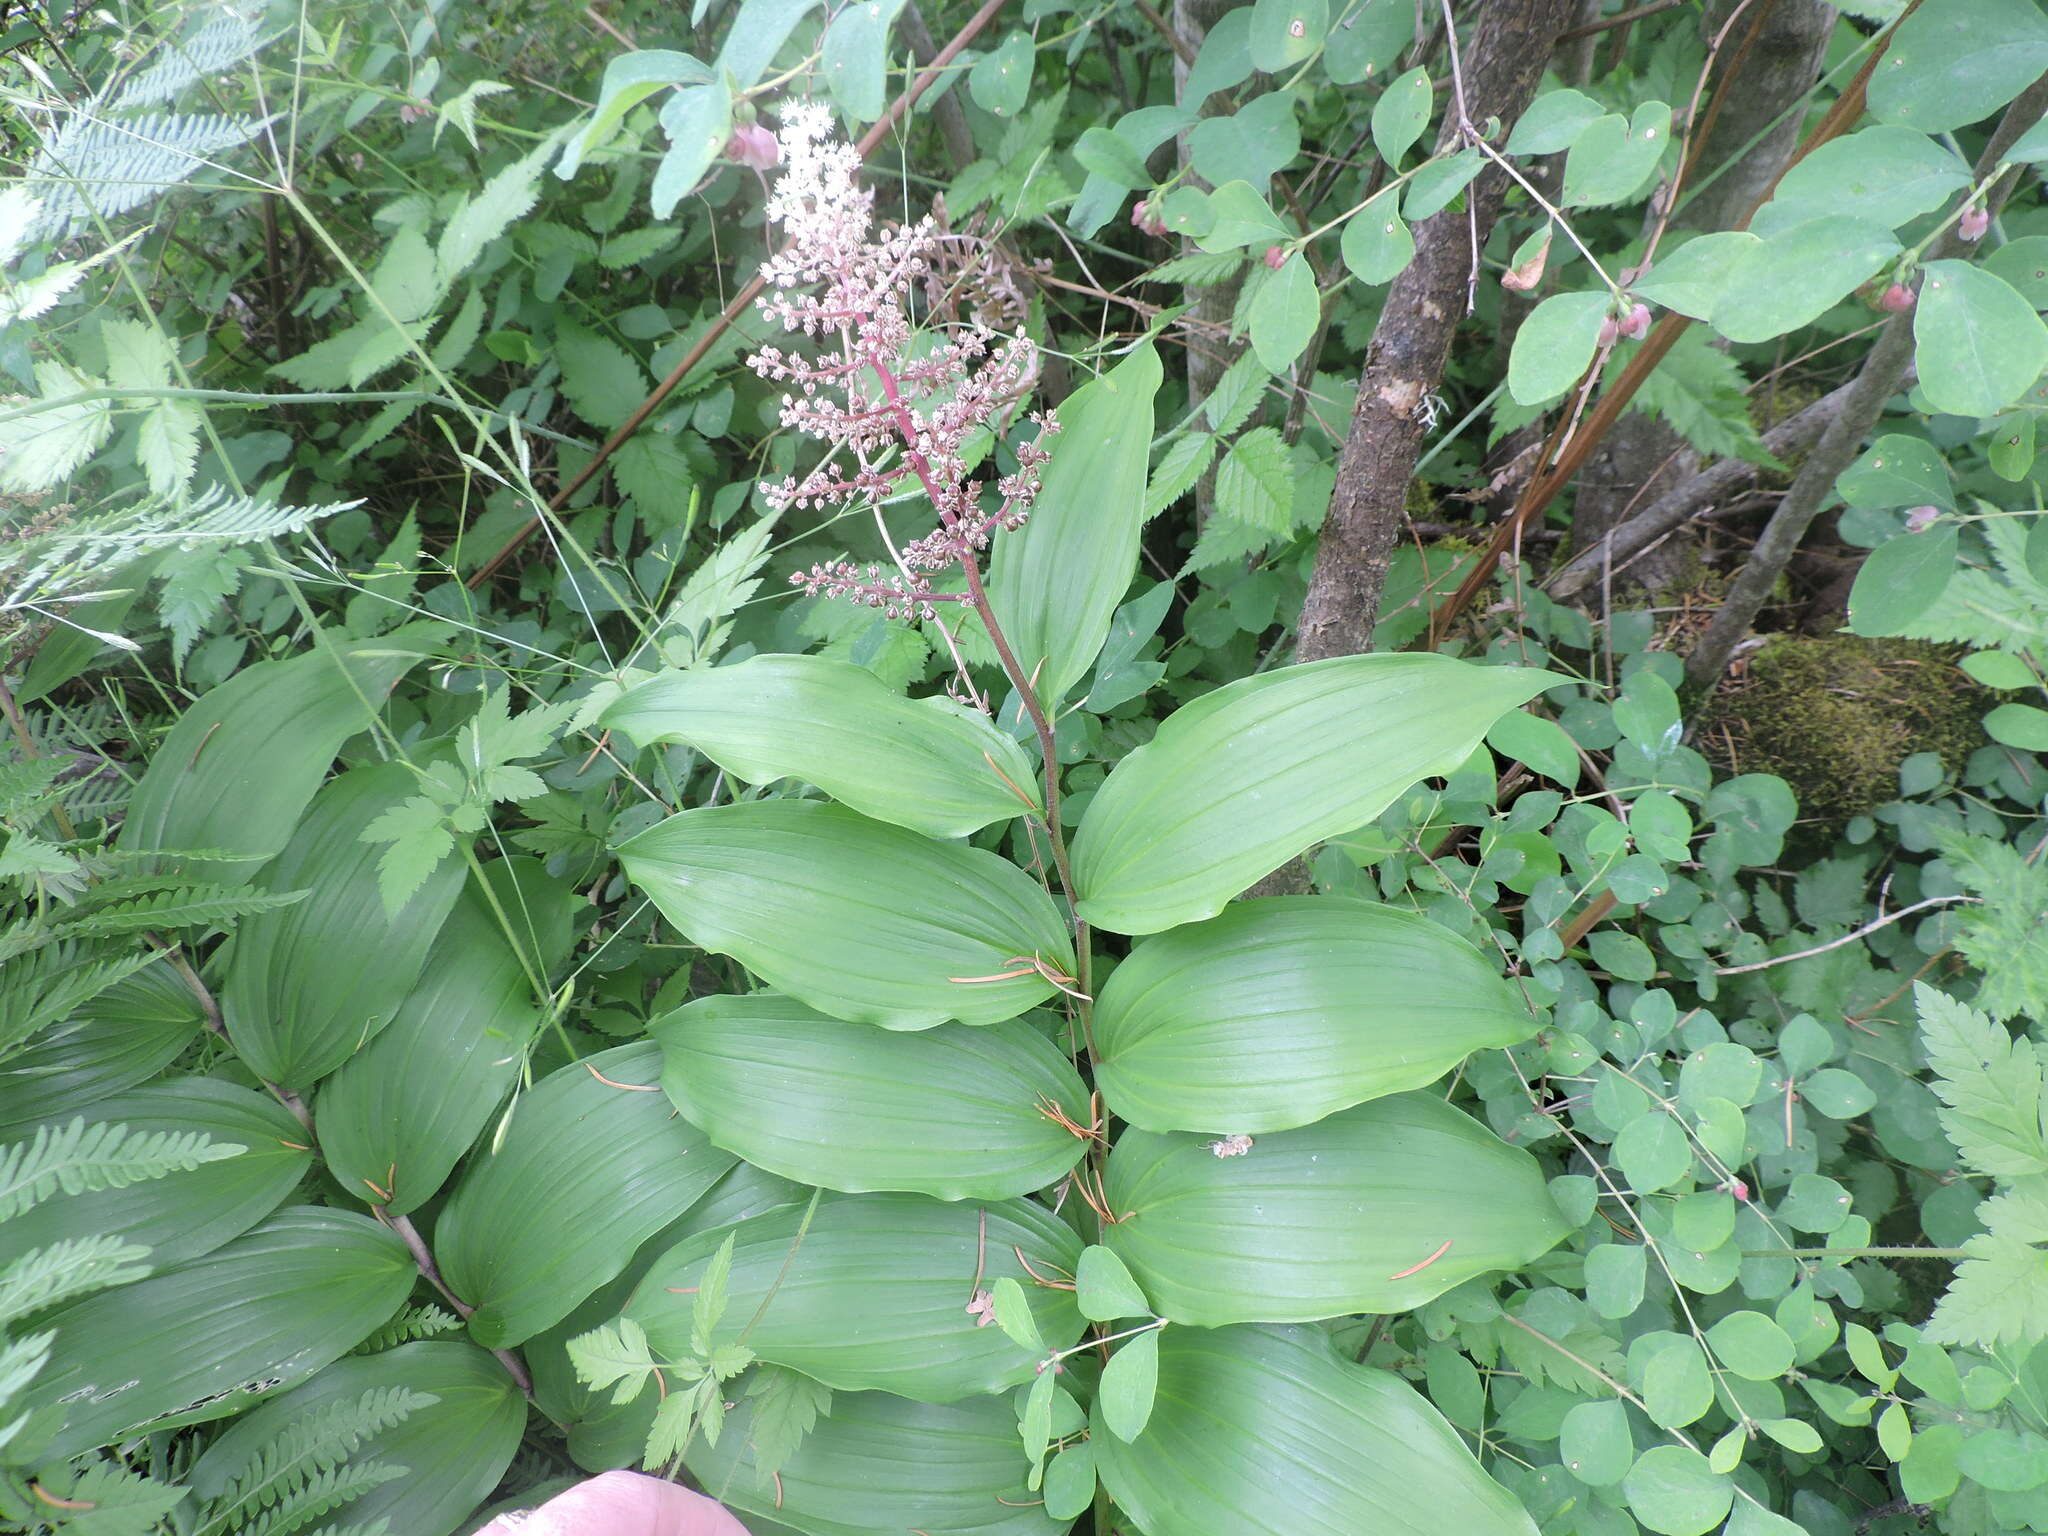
[400, 1113]
[308, 985]
[191, 1213]
[1400, 115]
[877, 1291]
[1954, 61]
[1672, 1490]
[931, 765]
[1000, 81]
[1900, 580]
[1596, 1444]
[1797, 275]
[1436, 182]
[1248, 145]
[1540, 744]
[1377, 244]
[1285, 32]
[1978, 344]
[629, 80]
[953, 1112]
[1368, 37]
[1104, 1289]
[861, 920]
[1267, 1432]
[125, 1036]
[1284, 313]
[882, 1463]
[754, 35]
[1375, 1209]
[2018, 725]
[1612, 157]
[1555, 345]
[1693, 278]
[1751, 1345]
[2022, 263]
[594, 1162]
[1281, 1011]
[1553, 123]
[216, 1336]
[856, 57]
[1224, 60]
[453, 1449]
[1897, 471]
[1886, 175]
[698, 123]
[1055, 582]
[1130, 1384]
[1104, 152]
[239, 766]
[1238, 782]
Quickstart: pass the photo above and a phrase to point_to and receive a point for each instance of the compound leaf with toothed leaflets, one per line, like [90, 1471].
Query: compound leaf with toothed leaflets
[929, 764]
[874, 1292]
[1375, 1209]
[953, 1112]
[867, 922]
[1262, 1431]
[594, 1162]
[1237, 783]
[216, 1336]
[1281, 1011]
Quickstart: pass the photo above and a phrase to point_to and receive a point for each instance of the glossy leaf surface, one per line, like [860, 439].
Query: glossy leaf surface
[1238, 782]
[588, 1169]
[1376, 1209]
[952, 1112]
[124, 1036]
[1281, 1011]
[864, 921]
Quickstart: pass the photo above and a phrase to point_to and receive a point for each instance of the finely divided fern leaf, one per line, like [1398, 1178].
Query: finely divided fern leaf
[72, 1266]
[98, 166]
[79, 1158]
[301, 1474]
[223, 40]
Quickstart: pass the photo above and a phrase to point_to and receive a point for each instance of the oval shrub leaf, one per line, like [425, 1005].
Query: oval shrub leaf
[1798, 275]
[1284, 313]
[1282, 1011]
[1556, 345]
[1376, 1209]
[875, 1292]
[1267, 1430]
[864, 921]
[1901, 579]
[1978, 344]
[1129, 1383]
[931, 765]
[953, 1112]
[1692, 278]
[1377, 244]
[1240, 781]
[1954, 61]
[586, 1171]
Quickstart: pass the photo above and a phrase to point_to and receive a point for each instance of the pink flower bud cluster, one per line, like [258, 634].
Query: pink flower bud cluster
[887, 396]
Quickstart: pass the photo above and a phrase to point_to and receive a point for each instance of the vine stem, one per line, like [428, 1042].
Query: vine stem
[1849, 938]
[1951, 1254]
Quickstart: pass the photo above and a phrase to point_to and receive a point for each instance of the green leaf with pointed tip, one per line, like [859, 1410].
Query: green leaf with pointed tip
[586, 1171]
[931, 765]
[1553, 123]
[875, 1292]
[1130, 1383]
[1692, 278]
[882, 1463]
[1055, 583]
[1798, 275]
[194, 1212]
[1979, 345]
[953, 1112]
[1279, 1012]
[1237, 783]
[1885, 174]
[1267, 1432]
[125, 1036]
[1104, 1289]
[629, 80]
[1284, 313]
[239, 766]
[454, 1449]
[308, 985]
[1377, 244]
[1401, 113]
[1555, 345]
[399, 1114]
[864, 921]
[1376, 1209]
[218, 1335]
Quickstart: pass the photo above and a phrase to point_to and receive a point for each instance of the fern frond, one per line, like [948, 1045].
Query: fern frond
[105, 166]
[224, 40]
[26, 787]
[381, 1526]
[72, 1266]
[421, 1322]
[196, 906]
[42, 981]
[123, 1503]
[79, 1158]
[20, 1361]
[316, 1496]
[312, 1447]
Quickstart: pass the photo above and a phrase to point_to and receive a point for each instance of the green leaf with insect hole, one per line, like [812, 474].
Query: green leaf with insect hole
[861, 920]
[957, 1112]
[1952, 62]
[1000, 81]
[517, 1239]
[884, 1463]
[1596, 1444]
[1233, 785]
[1613, 156]
[1979, 345]
[879, 1291]
[1129, 1384]
[1377, 244]
[1249, 1422]
[1897, 471]
[1400, 115]
[1556, 344]
[1285, 32]
[929, 764]
[1375, 1209]
[1279, 1012]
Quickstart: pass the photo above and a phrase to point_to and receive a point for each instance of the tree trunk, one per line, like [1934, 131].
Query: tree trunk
[1642, 459]
[1502, 63]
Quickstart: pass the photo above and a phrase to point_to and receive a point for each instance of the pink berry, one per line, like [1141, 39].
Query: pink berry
[755, 145]
[1276, 256]
[1896, 299]
[1973, 223]
[1146, 218]
[1636, 324]
[1920, 519]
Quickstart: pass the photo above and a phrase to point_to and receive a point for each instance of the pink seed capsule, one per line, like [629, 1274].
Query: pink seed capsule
[1973, 223]
[1896, 299]
[1276, 256]
[1636, 325]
